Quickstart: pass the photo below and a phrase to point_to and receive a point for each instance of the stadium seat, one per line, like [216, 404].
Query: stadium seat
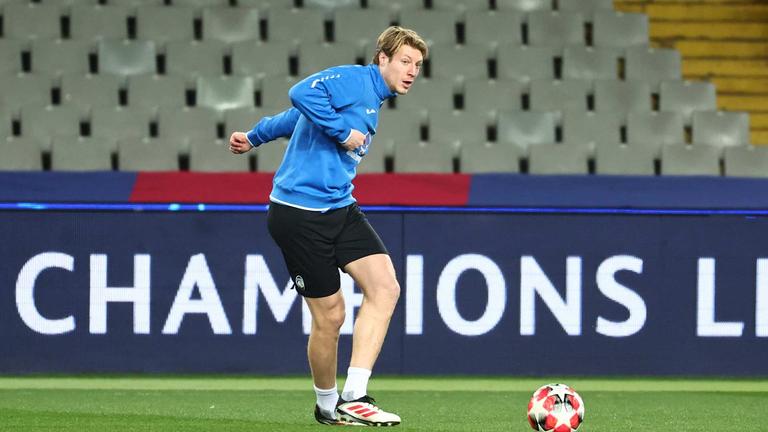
[214, 156]
[82, 154]
[437, 26]
[203, 3]
[162, 24]
[25, 89]
[721, 128]
[559, 95]
[557, 159]
[582, 62]
[686, 97]
[42, 123]
[395, 5]
[690, 160]
[60, 56]
[27, 20]
[153, 91]
[652, 65]
[127, 57]
[624, 159]
[494, 27]
[458, 61]
[187, 124]
[243, 119]
[653, 129]
[622, 96]
[274, 92]
[484, 95]
[374, 160]
[90, 91]
[20, 154]
[231, 25]
[488, 157]
[745, 161]
[5, 122]
[260, 59]
[553, 28]
[191, 59]
[525, 63]
[269, 156]
[329, 5]
[590, 129]
[299, 26]
[423, 157]
[457, 128]
[136, 3]
[148, 154]
[10, 56]
[120, 123]
[360, 27]
[315, 57]
[95, 22]
[266, 6]
[401, 125]
[524, 5]
[429, 94]
[619, 29]
[525, 129]
[225, 92]
[585, 7]
[461, 6]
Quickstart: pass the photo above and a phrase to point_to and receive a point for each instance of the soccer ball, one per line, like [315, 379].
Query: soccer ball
[555, 408]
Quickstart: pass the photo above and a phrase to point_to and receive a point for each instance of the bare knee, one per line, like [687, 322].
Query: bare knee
[385, 292]
[330, 320]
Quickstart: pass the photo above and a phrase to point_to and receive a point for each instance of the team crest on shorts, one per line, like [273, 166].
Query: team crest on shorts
[300, 282]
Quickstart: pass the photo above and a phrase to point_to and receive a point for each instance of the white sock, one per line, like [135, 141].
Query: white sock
[326, 400]
[356, 385]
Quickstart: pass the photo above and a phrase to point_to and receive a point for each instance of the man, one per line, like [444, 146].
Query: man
[315, 221]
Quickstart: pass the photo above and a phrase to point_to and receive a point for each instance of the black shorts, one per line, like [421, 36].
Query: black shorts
[316, 245]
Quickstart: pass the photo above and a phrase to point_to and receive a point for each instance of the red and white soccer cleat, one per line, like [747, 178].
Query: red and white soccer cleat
[365, 411]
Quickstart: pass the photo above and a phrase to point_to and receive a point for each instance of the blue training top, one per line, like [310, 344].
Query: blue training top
[317, 172]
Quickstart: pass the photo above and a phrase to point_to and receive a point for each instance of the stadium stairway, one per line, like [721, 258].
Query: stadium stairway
[723, 41]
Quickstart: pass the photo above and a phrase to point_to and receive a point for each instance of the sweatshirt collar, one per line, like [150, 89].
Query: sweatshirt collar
[379, 85]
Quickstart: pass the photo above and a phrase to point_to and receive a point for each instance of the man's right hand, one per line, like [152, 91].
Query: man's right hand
[238, 143]
[356, 139]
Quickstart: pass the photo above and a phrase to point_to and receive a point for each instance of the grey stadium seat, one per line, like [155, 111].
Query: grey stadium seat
[187, 124]
[329, 5]
[42, 123]
[495, 27]
[655, 129]
[20, 154]
[526, 63]
[148, 154]
[274, 92]
[296, 25]
[94, 22]
[81, 154]
[127, 57]
[153, 91]
[60, 56]
[559, 95]
[225, 92]
[10, 56]
[553, 28]
[136, 3]
[423, 157]
[243, 119]
[314, 57]
[489, 158]
[214, 156]
[26, 89]
[395, 5]
[429, 94]
[269, 156]
[163, 24]
[90, 91]
[523, 5]
[191, 59]
[550, 159]
[590, 129]
[623, 159]
[266, 6]
[586, 7]
[582, 62]
[745, 161]
[652, 65]
[492, 95]
[202, 3]
[721, 128]
[619, 29]
[261, 58]
[26, 20]
[359, 26]
[460, 5]
[375, 159]
[437, 26]
[691, 160]
[458, 61]
[458, 128]
[120, 123]
[401, 125]
[686, 97]
[622, 96]
[525, 129]
[230, 25]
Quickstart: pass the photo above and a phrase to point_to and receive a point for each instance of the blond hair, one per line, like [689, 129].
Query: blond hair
[393, 38]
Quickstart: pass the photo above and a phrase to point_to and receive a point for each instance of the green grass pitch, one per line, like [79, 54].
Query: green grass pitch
[230, 403]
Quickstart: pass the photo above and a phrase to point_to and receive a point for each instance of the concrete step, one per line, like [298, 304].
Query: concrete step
[708, 48]
[758, 120]
[689, 11]
[744, 85]
[742, 102]
[709, 30]
[759, 136]
[708, 67]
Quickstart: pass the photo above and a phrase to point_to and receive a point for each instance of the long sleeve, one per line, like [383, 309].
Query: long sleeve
[316, 96]
[273, 127]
